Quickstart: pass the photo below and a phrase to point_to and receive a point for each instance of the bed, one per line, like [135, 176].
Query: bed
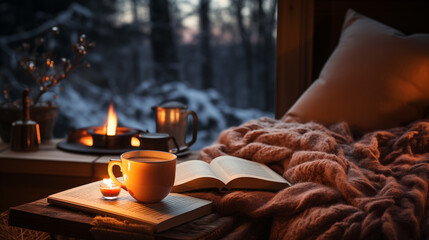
[354, 142]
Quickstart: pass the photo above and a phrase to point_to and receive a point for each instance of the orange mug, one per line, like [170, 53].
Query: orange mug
[148, 175]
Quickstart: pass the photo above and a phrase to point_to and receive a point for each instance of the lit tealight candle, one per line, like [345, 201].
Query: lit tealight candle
[109, 189]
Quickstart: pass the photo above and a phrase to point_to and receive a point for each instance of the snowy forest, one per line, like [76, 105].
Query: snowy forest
[215, 56]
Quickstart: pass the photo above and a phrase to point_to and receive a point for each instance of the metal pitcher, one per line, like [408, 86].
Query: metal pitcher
[25, 132]
[172, 118]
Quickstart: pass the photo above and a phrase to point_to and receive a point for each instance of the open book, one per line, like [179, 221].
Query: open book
[225, 173]
[172, 211]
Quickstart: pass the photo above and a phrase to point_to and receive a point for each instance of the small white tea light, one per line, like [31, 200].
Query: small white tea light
[109, 189]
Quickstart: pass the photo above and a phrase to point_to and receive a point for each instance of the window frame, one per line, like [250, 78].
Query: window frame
[294, 52]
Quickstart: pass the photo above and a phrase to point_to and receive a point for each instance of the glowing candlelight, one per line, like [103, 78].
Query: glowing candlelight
[112, 122]
[86, 140]
[161, 115]
[135, 142]
[109, 189]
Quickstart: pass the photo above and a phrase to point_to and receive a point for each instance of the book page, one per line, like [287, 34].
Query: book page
[193, 169]
[159, 215]
[234, 167]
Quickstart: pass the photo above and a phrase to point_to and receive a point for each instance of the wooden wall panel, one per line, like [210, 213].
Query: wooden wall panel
[408, 16]
[294, 51]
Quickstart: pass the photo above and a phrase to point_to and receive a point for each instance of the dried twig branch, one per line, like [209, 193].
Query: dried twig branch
[44, 72]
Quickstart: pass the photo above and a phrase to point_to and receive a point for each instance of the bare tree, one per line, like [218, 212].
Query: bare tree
[265, 53]
[164, 51]
[206, 68]
[136, 78]
[269, 48]
[247, 47]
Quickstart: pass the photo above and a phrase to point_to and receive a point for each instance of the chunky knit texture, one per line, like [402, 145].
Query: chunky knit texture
[372, 188]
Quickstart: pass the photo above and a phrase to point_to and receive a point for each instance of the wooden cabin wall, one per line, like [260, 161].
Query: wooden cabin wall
[308, 32]
[407, 16]
[294, 51]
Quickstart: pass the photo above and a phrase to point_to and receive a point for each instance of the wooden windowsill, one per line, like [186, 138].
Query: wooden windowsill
[49, 160]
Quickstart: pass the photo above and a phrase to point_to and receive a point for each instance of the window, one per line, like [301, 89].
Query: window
[216, 56]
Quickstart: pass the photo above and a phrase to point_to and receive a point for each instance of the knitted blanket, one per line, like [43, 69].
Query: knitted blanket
[372, 188]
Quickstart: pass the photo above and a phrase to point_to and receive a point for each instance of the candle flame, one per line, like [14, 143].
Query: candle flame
[112, 122]
[109, 183]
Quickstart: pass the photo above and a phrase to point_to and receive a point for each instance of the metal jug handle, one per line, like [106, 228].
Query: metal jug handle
[194, 129]
[175, 144]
